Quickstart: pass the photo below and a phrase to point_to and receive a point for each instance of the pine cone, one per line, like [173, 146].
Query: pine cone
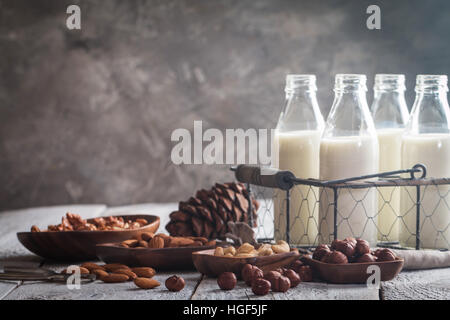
[207, 214]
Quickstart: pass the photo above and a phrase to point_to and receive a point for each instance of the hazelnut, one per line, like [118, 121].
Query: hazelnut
[385, 255]
[261, 287]
[366, 257]
[325, 257]
[351, 240]
[293, 277]
[175, 283]
[345, 247]
[249, 273]
[271, 276]
[305, 273]
[227, 281]
[336, 257]
[320, 252]
[281, 284]
[362, 247]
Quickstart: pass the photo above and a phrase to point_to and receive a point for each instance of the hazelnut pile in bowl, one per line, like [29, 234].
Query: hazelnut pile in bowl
[351, 250]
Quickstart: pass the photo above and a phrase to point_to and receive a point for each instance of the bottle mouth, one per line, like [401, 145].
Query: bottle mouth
[389, 82]
[350, 82]
[300, 81]
[431, 83]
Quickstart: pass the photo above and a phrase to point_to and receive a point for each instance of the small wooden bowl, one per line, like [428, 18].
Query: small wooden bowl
[161, 259]
[354, 272]
[207, 263]
[80, 245]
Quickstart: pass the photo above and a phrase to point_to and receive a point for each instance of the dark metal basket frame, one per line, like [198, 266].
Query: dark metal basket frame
[285, 180]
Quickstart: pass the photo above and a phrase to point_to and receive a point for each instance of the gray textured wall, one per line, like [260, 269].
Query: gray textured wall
[86, 116]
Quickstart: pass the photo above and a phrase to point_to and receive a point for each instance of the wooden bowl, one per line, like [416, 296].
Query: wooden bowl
[207, 263]
[80, 245]
[353, 272]
[161, 259]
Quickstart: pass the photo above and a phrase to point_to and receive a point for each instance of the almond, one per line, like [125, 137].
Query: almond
[147, 236]
[143, 244]
[113, 266]
[99, 273]
[91, 266]
[157, 242]
[114, 278]
[128, 272]
[180, 242]
[131, 243]
[144, 272]
[146, 283]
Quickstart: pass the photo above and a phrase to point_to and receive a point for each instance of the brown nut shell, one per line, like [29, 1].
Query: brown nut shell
[385, 255]
[336, 257]
[366, 257]
[114, 278]
[144, 272]
[261, 287]
[227, 281]
[146, 283]
[175, 283]
[362, 247]
[281, 284]
[250, 273]
[293, 277]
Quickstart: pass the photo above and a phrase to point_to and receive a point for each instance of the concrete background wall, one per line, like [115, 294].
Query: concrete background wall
[86, 116]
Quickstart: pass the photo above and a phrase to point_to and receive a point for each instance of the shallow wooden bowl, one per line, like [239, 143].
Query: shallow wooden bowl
[353, 272]
[205, 262]
[161, 259]
[80, 245]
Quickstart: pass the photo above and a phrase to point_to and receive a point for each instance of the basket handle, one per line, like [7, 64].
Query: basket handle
[265, 177]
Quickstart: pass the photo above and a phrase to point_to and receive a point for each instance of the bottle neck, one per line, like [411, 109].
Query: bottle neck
[301, 111]
[430, 113]
[349, 115]
[389, 109]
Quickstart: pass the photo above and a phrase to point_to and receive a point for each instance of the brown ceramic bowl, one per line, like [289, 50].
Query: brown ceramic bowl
[353, 272]
[207, 263]
[80, 245]
[161, 259]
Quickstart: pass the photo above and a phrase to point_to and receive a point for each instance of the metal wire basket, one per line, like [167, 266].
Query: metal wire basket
[327, 210]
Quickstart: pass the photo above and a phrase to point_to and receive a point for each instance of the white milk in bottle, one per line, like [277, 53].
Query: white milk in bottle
[427, 141]
[390, 115]
[296, 142]
[349, 148]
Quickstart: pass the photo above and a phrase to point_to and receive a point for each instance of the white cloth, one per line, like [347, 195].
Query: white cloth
[424, 259]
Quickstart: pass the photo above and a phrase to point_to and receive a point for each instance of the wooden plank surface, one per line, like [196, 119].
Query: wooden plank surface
[431, 284]
[208, 290]
[422, 284]
[105, 291]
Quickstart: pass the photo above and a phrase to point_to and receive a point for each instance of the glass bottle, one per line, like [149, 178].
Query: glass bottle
[427, 141]
[349, 148]
[296, 148]
[390, 115]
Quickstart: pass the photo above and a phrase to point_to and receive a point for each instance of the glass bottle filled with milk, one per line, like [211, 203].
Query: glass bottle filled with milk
[349, 148]
[296, 148]
[427, 141]
[390, 115]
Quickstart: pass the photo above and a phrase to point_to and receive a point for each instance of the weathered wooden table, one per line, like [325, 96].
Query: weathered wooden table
[426, 284]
